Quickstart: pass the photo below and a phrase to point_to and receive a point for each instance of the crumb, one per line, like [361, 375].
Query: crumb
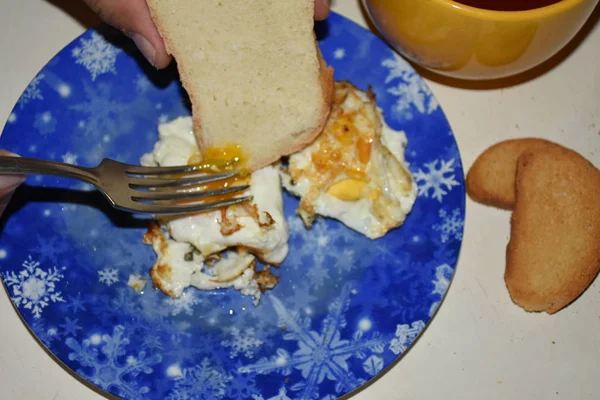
[265, 279]
[517, 126]
[137, 283]
[553, 342]
[499, 382]
[284, 327]
[592, 126]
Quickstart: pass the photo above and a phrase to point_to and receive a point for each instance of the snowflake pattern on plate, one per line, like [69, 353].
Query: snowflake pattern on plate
[411, 91]
[405, 335]
[96, 54]
[346, 307]
[111, 368]
[204, 379]
[34, 288]
[321, 354]
[438, 177]
[451, 225]
[32, 91]
[242, 343]
[108, 276]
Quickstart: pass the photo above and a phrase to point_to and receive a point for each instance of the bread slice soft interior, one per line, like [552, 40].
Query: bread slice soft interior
[253, 71]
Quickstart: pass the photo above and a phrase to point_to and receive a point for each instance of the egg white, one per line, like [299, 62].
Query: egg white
[387, 171]
[202, 232]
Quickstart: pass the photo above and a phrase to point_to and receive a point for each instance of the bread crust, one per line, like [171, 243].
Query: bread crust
[554, 250]
[255, 161]
[491, 178]
[326, 73]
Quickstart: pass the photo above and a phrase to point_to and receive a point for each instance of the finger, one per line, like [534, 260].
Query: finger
[133, 18]
[8, 183]
[322, 9]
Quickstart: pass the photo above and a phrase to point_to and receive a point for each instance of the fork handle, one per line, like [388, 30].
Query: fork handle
[25, 166]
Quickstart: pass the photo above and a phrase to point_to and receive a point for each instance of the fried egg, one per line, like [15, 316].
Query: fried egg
[179, 265]
[355, 171]
[216, 249]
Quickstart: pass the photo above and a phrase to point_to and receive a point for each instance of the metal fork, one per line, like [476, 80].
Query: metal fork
[147, 190]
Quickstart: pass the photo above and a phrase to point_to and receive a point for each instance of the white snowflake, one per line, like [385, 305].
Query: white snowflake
[108, 276]
[111, 368]
[440, 180]
[204, 380]
[104, 113]
[397, 66]
[183, 304]
[96, 54]
[451, 226]
[317, 276]
[320, 355]
[70, 158]
[405, 335]
[32, 92]
[12, 118]
[412, 91]
[50, 248]
[70, 327]
[443, 274]
[33, 288]
[373, 365]
[319, 251]
[339, 54]
[242, 342]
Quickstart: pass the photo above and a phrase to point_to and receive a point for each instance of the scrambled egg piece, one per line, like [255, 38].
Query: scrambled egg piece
[355, 170]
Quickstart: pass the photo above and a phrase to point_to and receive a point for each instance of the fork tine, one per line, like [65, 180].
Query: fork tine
[188, 207]
[157, 182]
[158, 196]
[180, 169]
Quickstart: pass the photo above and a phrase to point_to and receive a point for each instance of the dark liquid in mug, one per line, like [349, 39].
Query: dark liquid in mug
[508, 5]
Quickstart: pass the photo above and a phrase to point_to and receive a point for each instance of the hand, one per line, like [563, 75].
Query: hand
[133, 18]
[8, 184]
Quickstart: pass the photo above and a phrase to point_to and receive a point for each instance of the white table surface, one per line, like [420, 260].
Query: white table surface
[480, 345]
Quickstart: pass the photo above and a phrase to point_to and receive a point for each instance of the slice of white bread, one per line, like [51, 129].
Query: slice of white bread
[253, 71]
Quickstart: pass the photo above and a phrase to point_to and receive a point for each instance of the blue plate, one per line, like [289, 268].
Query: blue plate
[346, 307]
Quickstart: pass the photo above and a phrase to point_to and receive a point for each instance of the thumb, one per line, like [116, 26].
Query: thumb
[133, 18]
[8, 184]
[322, 9]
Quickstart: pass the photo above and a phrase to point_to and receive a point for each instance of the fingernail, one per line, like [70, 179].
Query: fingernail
[145, 47]
[10, 181]
[327, 3]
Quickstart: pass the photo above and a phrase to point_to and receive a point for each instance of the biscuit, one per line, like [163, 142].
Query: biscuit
[554, 250]
[491, 178]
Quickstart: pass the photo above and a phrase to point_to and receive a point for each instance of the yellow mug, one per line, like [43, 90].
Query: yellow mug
[465, 42]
